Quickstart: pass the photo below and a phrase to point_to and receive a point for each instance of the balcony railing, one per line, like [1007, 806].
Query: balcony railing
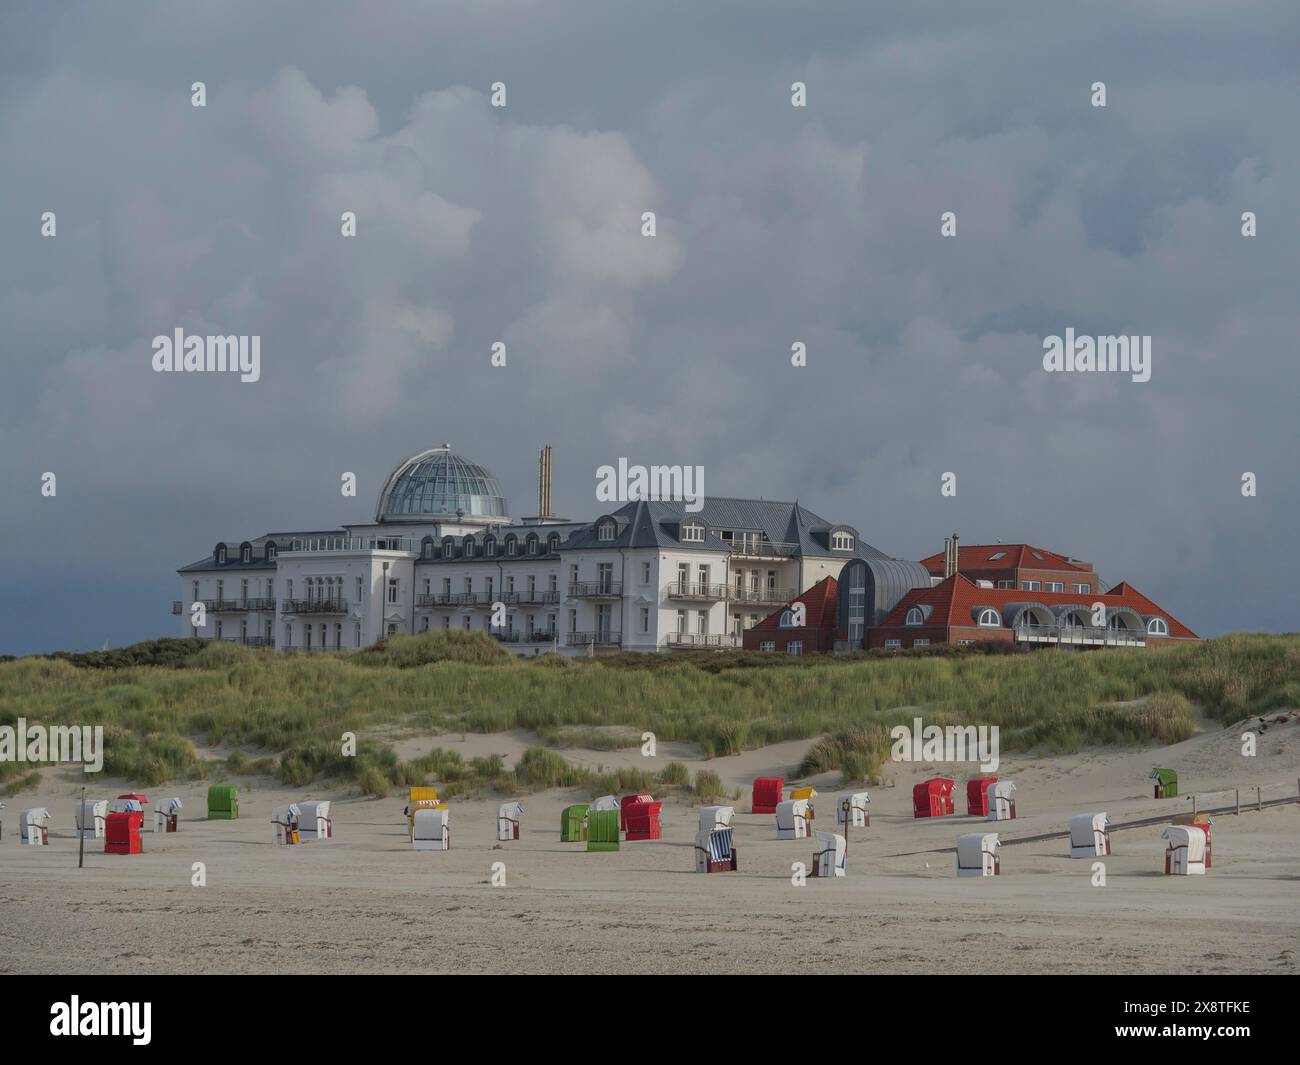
[703, 639]
[761, 596]
[1080, 635]
[533, 598]
[536, 636]
[745, 548]
[237, 606]
[445, 599]
[589, 639]
[596, 590]
[313, 606]
[695, 590]
[247, 641]
[317, 545]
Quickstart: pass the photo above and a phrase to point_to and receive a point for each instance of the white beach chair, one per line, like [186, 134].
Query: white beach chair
[284, 823]
[509, 815]
[792, 819]
[34, 827]
[1002, 801]
[605, 802]
[715, 817]
[1185, 854]
[830, 857]
[715, 851]
[166, 815]
[431, 830]
[314, 821]
[977, 854]
[1089, 835]
[90, 816]
[858, 815]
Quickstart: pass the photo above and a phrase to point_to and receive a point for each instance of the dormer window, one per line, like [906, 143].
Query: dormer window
[532, 543]
[448, 547]
[490, 546]
[553, 542]
[270, 551]
[841, 541]
[426, 547]
[787, 619]
[246, 553]
[221, 555]
[469, 546]
[511, 545]
[916, 616]
[989, 618]
[693, 533]
[605, 531]
[1158, 627]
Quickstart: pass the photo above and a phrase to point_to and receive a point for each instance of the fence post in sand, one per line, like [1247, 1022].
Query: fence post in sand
[1193, 805]
[1239, 801]
[1259, 799]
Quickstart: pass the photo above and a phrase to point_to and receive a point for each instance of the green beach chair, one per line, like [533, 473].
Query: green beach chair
[223, 802]
[602, 830]
[573, 824]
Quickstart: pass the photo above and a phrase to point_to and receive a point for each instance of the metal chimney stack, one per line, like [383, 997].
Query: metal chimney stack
[544, 483]
[950, 556]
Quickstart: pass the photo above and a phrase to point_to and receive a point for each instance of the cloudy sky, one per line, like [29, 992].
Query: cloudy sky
[775, 225]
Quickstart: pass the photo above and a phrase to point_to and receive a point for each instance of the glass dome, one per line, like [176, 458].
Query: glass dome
[440, 484]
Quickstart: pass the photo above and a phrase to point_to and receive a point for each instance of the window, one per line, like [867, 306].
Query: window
[551, 582]
[1006, 584]
[915, 616]
[243, 631]
[532, 543]
[338, 636]
[645, 572]
[469, 588]
[645, 619]
[510, 584]
[920, 643]
[356, 634]
[693, 533]
[469, 546]
[553, 543]
[989, 618]
[787, 619]
[246, 553]
[360, 586]
[195, 588]
[487, 581]
[270, 588]
[446, 586]
[392, 589]
[448, 547]
[426, 548]
[794, 647]
[270, 551]
[1158, 627]
[289, 582]
[605, 530]
[997, 555]
[1054, 586]
[573, 621]
[771, 580]
[511, 545]
[1030, 586]
[446, 622]
[490, 546]
[306, 637]
[532, 586]
[221, 590]
[221, 555]
[702, 622]
[767, 645]
[1082, 589]
[243, 590]
[841, 541]
[467, 621]
[893, 645]
[964, 643]
[681, 621]
[424, 623]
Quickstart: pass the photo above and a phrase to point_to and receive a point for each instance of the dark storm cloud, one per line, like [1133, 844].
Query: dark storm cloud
[775, 225]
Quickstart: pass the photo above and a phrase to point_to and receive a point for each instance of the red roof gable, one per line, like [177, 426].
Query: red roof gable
[1013, 556]
[953, 601]
[821, 603]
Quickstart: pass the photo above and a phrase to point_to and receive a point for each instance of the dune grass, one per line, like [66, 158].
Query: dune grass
[297, 707]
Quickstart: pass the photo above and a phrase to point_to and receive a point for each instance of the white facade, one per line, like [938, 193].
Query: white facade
[646, 577]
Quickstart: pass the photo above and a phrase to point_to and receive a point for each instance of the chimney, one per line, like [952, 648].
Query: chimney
[544, 483]
[950, 556]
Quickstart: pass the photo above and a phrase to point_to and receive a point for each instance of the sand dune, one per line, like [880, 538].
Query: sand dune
[367, 903]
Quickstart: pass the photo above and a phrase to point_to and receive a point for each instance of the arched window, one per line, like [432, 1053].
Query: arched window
[426, 547]
[989, 618]
[605, 530]
[1158, 627]
[841, 541]
[916, 616]
[245, 553]
[787, 619]
[553, 542]
[532, 543]
[448, 547]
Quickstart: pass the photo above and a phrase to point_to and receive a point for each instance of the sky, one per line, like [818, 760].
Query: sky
[775, 225]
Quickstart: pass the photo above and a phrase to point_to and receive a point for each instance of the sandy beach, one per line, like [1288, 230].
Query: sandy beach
[365, 902]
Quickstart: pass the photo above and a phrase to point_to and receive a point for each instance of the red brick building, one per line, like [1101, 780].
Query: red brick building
[1022, 566]
[777, 632]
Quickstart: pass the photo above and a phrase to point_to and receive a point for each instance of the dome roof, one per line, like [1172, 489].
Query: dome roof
[441, 485]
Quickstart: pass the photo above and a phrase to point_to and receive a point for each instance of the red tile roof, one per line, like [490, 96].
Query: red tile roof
[820, 606]
[1014, 556]
[953, 601]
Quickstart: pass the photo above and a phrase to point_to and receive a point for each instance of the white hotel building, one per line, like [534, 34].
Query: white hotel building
[442, 552]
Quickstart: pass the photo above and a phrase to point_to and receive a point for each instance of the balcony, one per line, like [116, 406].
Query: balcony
[536, 636]
[246, 641]
[593, 639]
[596, 590]
[751, 548]
[236, 606]
[445, 599]
[700, 592]
[313, 606]
[688, 640]
[533, 598]
[769, 597]
[1080, 636]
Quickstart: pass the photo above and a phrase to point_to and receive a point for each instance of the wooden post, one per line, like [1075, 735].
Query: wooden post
[81, 832]
[1239, 801]
[1259, 799]
[1193, 806]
